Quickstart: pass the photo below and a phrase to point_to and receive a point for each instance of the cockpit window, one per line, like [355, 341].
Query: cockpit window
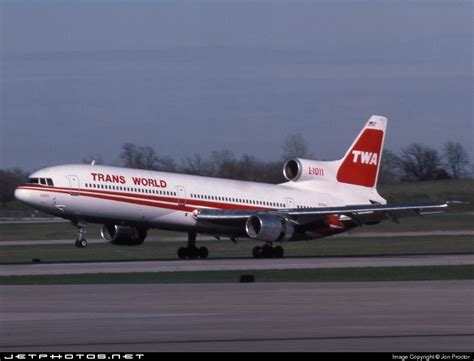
[42, 181]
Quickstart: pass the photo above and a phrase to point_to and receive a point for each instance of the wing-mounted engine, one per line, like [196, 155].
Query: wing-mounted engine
[299, 170]
[269, 227]
[123, 235]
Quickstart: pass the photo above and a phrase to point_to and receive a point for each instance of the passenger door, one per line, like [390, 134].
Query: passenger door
[74, 186]
[290, 203]
[181, 196]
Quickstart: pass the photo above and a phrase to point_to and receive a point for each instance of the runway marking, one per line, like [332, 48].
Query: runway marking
[234, 264]
[269, 339]
[60, 316]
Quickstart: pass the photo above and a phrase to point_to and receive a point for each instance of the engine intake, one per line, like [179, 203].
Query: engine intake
[270, 228]
[123, 235]
[292, 169]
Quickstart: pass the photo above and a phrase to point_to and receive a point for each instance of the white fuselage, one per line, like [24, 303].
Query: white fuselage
[151, 199]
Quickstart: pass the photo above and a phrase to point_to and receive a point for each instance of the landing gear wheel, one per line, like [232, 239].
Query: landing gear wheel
[278, 252]
[81, 243]
[192, 252]
[267, 251]
[182, 252]
[257, 252]
[203, 252]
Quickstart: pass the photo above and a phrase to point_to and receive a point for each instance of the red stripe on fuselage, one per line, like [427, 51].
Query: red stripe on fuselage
[143, 199]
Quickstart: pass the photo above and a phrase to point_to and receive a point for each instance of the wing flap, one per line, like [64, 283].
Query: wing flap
[361, 214]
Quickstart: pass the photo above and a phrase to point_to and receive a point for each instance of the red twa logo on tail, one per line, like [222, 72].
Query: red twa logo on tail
[361, 163]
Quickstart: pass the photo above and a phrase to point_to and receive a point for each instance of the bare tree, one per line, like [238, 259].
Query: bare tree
[456, 159]
[389, 168]
[271, 172]
[9, 180]
[223, 163]
[197, 165]
[166, 164]
[295, 146]
[420, 163]
[145, 157]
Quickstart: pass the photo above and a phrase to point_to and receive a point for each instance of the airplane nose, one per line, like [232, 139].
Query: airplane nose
[22, 195]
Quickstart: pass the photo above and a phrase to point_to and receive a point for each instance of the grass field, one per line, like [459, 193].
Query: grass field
[369, 274]
[42, 231]
[452, 190]
[225, 249]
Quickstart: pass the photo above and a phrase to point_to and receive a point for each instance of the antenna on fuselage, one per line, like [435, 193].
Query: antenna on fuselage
[93, 162]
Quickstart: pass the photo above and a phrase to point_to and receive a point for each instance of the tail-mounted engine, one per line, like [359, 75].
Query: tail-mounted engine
[298, 169]
[268, 227]
[123, 235]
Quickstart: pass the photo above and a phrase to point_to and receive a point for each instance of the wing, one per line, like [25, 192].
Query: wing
[360, 214]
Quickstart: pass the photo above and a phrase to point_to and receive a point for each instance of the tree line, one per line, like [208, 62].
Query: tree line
[416, 162]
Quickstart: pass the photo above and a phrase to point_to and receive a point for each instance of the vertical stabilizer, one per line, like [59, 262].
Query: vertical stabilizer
[361, 164]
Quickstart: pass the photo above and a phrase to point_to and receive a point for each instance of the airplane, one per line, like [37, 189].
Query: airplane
[319, 199]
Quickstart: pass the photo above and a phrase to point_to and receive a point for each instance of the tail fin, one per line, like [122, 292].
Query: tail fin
[360, 166]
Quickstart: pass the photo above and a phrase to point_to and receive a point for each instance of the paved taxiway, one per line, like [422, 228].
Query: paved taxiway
[233, 264]
[388, 316]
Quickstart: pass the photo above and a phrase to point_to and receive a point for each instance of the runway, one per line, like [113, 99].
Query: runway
[179, 237]
[234, 264]
[389, 316]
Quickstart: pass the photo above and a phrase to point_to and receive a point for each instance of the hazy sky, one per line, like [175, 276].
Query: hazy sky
[83, 77]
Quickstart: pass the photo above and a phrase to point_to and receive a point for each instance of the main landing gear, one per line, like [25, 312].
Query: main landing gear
[191, 251]
[81, 242]
[268, 251]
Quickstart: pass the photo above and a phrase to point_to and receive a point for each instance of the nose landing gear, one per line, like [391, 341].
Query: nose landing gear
[81, 242]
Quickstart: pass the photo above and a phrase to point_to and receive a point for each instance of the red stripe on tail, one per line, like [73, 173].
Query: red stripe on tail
[361, 163]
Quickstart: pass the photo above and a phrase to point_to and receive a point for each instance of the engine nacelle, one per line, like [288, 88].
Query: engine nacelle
[270, 228]
[298, 169]
[123, 235]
